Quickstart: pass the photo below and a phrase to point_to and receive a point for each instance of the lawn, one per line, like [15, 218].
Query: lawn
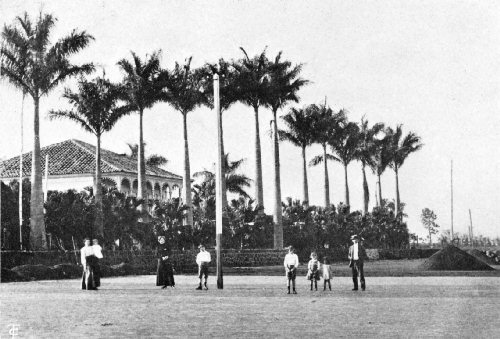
[254, 306]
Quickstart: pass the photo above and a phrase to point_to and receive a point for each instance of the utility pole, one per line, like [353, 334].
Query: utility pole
[471, 233]
[219, 185]
[452, 201]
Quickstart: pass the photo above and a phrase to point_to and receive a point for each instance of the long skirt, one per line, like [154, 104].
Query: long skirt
[97, 274]
[165, 273]
[88, 278]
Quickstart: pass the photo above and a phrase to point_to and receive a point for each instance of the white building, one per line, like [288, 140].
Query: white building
[72, 166]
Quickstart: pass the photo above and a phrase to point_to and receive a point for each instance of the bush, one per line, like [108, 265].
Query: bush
[67, 271]
[35, 272]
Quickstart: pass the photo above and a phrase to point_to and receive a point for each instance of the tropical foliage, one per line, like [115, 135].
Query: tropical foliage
[35, 67]
[144, 83]
[186, 93]
[96, 110]
[428, 218]
[300, 132]
[285, 82]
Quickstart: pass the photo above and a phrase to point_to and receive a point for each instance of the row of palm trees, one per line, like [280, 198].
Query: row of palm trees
[33, 65]
[376, 147]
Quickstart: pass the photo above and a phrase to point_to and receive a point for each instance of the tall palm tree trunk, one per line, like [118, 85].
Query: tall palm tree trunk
[187, 175]
[379, 190]
[347, 202]
[398, 201]
[38, 238]
[277, 215]
[259, 193]
[99, 223]
[327, 181]
[304, 178]
[366, 191]
[141, 168]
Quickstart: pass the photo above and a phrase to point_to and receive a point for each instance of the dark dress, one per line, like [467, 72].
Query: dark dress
[89, 278]
[165, 271]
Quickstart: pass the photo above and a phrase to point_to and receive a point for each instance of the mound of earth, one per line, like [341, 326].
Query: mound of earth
[67, 271]
[451, 258]
[482, 256]
[35, 272]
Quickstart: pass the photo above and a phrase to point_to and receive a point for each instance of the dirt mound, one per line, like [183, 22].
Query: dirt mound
[452, 258]
[482, 256]
[35, 272]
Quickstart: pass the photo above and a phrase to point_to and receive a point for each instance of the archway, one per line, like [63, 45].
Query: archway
[125, 186]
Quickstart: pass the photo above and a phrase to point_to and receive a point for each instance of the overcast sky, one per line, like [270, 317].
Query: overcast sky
[432, 66]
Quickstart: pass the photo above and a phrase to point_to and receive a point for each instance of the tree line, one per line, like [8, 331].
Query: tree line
[36, 67]
[70, 216]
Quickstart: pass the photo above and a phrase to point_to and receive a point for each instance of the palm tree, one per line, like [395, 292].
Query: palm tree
[364, 154]
[155, 160]
[344, 145]
[253, 84]
[35, 67]
[186, 92]
[96, 109]
[381, 156]
[401, 149]
[300, 132]
[326, 124]
[228, 95]
[144, 83]
[235, 182]
[283, 87]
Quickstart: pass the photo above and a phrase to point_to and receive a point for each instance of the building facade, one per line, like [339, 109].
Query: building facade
[71, 165]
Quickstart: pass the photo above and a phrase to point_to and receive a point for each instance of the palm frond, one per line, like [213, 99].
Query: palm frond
[73, 116]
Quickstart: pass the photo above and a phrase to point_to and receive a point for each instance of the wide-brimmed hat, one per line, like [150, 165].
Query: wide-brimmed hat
[290, 248]
[354, 236]
[201, 245]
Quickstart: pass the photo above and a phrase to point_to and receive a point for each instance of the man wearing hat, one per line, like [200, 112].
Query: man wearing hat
[203, 259]
[357, 255]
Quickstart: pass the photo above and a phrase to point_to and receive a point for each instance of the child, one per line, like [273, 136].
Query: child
[291, 263]
[327, 273]
[313, 270]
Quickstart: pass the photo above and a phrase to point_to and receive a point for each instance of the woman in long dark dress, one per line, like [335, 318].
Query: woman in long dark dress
[165, 271]
[89, 261]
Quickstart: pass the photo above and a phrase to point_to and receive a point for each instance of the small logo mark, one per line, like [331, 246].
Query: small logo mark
[14, 330]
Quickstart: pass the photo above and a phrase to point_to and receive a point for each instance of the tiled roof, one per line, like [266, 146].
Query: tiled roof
[78, 157]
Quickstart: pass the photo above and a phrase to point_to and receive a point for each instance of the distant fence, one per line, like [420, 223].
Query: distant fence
[184, 261]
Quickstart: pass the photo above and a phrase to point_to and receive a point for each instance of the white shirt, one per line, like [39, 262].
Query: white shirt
[97, 251]
[203, 256]
[291, 259]
[355, 255]
[85, 251]
[326, 271]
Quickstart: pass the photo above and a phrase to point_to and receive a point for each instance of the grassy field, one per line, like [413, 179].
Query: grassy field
[254, 306]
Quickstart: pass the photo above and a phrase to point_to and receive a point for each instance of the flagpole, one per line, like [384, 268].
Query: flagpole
[218, 185]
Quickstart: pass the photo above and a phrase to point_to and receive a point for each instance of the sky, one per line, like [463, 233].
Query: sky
[432, 66]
